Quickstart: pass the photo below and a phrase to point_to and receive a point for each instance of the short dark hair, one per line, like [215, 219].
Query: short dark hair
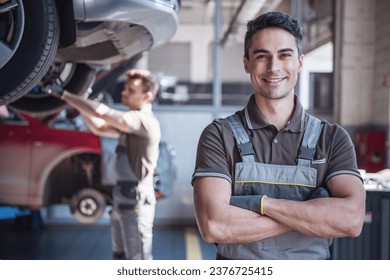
[273, 19]
[148, 79]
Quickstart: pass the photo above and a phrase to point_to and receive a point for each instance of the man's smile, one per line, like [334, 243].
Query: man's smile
[273, 80]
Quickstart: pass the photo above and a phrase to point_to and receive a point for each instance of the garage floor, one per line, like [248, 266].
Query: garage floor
[26, 241]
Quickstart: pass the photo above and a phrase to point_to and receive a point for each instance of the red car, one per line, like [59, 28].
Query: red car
[48, 162]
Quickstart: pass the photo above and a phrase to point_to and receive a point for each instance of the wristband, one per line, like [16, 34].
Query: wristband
[249, 202]
[261, 205]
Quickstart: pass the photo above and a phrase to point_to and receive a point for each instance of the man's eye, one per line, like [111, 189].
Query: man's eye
[262, 57]
[285, 54]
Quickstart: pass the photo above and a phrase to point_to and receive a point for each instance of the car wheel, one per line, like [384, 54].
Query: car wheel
[35, 25]
[11, 29]
[73, 77]
[88, 205]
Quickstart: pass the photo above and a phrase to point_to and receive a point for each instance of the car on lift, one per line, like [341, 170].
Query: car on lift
[62, 43]
[55, 160]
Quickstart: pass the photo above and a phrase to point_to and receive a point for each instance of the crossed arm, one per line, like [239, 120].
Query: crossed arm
[340, 215]
[336, 216]
[220, 222]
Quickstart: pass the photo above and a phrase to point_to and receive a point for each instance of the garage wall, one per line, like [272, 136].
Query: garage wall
[198, 61]
[173, 59]
[362, 66]
[354, 61]
[199, 38]
[182, 128]
[363, 63]
[381, 87]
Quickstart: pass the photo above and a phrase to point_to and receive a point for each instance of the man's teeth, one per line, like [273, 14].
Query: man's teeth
[274, 80]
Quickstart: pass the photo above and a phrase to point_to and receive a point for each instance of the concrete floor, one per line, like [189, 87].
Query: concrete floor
[26, 239]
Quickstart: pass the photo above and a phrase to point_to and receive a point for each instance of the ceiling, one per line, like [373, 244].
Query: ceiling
[316, 17]
[203, 11]
[235, 13]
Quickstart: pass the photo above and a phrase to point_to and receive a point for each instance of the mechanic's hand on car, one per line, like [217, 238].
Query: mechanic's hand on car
[55, 90]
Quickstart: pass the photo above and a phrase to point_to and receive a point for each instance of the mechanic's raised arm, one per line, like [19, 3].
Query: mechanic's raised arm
[113, 118]
[99, 126]
[340, 215]
[220, 222]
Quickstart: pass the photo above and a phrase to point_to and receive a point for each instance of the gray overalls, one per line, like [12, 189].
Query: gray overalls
[133, 210]
[294, 182]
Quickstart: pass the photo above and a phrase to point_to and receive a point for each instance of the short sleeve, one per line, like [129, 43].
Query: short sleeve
[342, 158]
[212, 160]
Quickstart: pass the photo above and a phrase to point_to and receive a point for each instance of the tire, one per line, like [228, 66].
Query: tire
[35, 53]
[88, 205]
[74, 77]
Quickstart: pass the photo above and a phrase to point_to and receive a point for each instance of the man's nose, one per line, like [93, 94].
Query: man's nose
[274, 65]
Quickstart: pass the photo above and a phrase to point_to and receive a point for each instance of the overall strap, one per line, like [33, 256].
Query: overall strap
[310, 138]
[242, 138]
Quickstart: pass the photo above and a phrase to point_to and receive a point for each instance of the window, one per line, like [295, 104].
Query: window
[321, 88]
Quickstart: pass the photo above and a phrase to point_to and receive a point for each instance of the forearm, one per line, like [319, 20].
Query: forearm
[236, 225]
[85, 106]
[340, 215]
[112, 118]
[99, 127]
[221, 222]
[323, 217]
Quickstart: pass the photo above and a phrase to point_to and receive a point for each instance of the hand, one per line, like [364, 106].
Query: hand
[55, 90]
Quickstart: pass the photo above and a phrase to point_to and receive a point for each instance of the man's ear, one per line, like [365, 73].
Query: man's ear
[149, 96]
[246, 62]
[300, 61]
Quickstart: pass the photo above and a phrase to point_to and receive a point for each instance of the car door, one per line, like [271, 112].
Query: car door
[15, 156]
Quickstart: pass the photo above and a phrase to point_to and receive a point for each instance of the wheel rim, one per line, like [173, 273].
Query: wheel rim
[58, 77]
[88, 206]
[11, 28]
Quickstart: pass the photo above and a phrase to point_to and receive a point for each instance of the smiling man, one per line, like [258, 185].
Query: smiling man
[272, 181]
